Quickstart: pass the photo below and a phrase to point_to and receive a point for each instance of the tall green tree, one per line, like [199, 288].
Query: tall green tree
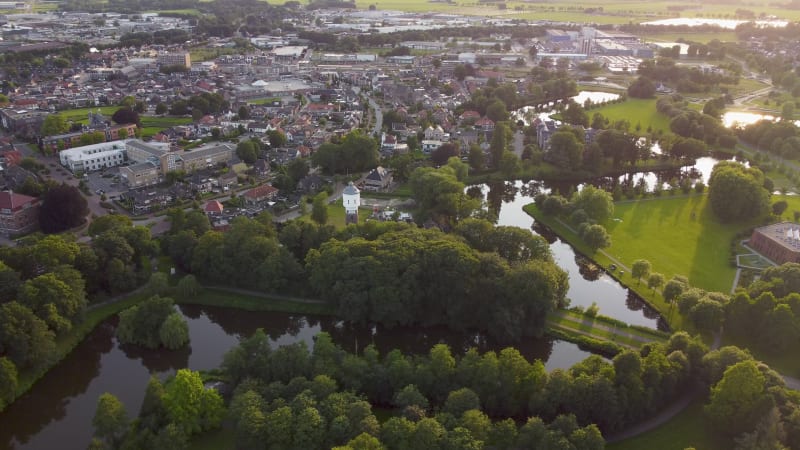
[319, 208]
[110, 419]
[63, 207]
[736, 192]
[190, 406]
[739, 399]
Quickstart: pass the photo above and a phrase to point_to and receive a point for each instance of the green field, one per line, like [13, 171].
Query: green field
[81, 115]
[693, 37]
[689, 429]
[679, 236]
[636, 111]
[336, 214]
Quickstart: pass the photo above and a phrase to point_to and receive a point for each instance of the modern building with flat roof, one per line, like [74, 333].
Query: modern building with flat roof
[93, 157]
[780, 242]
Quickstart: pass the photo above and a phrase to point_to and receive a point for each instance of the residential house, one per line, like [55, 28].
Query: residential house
[485, 124]
[378, 179]
[435, 134]
[213, 208]
[310, 183]
[261, 167]
[429, 146]
[261, 195]
[19, 214]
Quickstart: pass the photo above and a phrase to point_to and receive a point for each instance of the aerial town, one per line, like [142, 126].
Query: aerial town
[240, 224]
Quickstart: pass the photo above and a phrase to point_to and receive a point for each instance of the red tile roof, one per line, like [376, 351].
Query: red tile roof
[260, 192]
[213, 206]
[11, 200]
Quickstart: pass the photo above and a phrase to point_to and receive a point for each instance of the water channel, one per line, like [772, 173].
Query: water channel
[57, 412]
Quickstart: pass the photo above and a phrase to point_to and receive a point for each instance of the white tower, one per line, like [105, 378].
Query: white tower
[351, 199]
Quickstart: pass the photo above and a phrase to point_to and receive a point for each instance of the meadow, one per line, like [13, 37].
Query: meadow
[636, 111]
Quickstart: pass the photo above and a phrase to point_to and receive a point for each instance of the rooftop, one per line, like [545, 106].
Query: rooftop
[780, 233]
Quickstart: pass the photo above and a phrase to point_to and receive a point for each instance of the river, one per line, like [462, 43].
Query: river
[57, 413]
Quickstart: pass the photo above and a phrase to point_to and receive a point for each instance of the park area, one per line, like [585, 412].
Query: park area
[636, 111]
[150, 125]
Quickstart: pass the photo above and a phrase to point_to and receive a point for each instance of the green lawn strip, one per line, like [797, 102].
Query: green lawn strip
[336, 214]
[251, 301]
[613, 324]
[688, 429]
[653, 298]
[637, 112]
[588, 329]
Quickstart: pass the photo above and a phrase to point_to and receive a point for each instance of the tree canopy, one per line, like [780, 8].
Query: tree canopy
[736, 192]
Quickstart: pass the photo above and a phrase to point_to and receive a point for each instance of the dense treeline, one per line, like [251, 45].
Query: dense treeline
[45, 286]
[695, 130]
[685, 79]
[424, 277]
[356, 152]
[779, 138]
[768, 313]
[611, 395]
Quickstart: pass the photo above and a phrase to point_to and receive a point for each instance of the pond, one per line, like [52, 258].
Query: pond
[57, 413]
[528, 113]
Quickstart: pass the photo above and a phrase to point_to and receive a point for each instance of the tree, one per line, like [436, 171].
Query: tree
[24, 338]
[460, 401]
[191, 406]
[63, 207]
[161, 108]
[297, 169]
[497, 111]
[53, 124]
[499, 143]
[174, 332]
[408, 396]
[739, 399]
[779, 207]
[188, 286]
[575, 114]
[142, 324]
[736, 192]
[244, 112]
[445, 151]
[596, 237]
[247, 151]
[641, 269]
[8, 382]
[476, 158]
[597, 203]
[126, 115]
[642, 88]
[110, 419]
[319, 208]
[566, 150]
[655, 281]
[364, 441]
[276, 138]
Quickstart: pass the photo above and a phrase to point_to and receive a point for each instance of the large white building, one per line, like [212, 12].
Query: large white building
[93, 157]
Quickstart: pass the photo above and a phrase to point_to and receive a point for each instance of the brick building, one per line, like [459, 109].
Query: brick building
[779, 242]
[19, 214]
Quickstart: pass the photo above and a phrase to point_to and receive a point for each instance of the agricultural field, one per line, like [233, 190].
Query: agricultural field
[694, 37]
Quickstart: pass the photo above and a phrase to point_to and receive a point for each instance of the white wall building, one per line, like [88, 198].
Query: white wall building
[93, 157]
[351, 199]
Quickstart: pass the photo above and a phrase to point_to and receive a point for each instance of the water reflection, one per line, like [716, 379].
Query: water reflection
[57, 413]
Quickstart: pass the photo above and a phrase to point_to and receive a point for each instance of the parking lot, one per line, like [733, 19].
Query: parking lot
[105, 182]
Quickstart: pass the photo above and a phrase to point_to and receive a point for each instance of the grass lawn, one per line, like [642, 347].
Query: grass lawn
[687, 429]
[636, 111]
[223, 438]
[679, 236]
[81, 115]
[336, 214]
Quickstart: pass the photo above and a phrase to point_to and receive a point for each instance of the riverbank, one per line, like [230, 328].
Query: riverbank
[605, 260]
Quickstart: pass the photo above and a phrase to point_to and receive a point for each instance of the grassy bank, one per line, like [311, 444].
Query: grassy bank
[653, 298]
[688, 429]
[68, 342]
[221, 297]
